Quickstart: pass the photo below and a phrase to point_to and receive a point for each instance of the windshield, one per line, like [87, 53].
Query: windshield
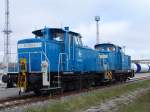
[106, 49]
[78, 40]
[58, 36]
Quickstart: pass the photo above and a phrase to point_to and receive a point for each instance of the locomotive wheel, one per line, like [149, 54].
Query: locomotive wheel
[5, 78]
[10, 85]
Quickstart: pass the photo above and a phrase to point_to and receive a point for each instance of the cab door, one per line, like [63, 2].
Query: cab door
[78, 53]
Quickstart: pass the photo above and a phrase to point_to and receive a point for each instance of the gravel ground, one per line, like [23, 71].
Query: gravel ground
[114, 104]
[105, 107]
[4, 92]
[24, 107]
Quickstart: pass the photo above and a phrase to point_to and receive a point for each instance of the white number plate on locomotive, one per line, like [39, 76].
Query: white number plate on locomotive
[103, 56]
[30, 45]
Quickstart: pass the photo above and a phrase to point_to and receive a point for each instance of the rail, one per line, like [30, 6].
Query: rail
[11, 102]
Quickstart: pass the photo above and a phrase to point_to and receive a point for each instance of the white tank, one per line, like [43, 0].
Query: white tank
[139, 68]
[144, 68]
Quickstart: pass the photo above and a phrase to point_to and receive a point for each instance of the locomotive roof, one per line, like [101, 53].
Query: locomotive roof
[59, 30]
[108, 44]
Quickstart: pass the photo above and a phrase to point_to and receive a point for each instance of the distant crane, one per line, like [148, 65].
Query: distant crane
[7, 33]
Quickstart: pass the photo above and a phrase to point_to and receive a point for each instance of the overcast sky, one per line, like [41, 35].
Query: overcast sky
[123, 22]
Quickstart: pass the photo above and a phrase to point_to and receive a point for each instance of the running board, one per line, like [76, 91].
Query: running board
[50, 88]
[68, 72]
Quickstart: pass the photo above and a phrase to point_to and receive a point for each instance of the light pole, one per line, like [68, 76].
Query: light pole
[97, 19]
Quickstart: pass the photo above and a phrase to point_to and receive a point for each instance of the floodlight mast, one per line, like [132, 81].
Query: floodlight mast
[7, 33]
[97, 19]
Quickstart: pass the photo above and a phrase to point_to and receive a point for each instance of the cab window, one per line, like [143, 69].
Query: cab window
[58, 36]
[111, 49]
[78, 40]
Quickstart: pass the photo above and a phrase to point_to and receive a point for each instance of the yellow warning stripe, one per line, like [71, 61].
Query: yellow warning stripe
[109, 75]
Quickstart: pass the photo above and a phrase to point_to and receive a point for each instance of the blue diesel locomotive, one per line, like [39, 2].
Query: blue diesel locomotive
[56, 59]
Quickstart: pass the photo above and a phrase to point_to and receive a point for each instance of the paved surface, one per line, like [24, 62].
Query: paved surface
[141, 75]
[4, 92]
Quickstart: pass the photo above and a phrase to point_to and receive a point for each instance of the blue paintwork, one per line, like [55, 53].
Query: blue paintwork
[116, 59]
[80, 58]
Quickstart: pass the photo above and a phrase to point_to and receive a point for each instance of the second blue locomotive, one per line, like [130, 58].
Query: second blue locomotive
[57, 59]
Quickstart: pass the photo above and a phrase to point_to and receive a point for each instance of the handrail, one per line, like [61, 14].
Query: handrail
[42, 53]
[16, 65]
[49, 65]
[60, 62]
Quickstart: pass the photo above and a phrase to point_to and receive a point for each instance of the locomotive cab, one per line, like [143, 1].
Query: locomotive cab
[107, 54]
[42, 59]
[42, 55]
[114, 59]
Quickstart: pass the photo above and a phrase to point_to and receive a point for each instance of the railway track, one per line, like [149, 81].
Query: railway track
[27, 99]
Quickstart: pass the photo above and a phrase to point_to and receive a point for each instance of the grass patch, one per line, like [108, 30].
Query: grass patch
[78, 102]
[141, 104]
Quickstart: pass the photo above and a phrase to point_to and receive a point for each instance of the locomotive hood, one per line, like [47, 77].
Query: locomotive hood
[30, 40]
